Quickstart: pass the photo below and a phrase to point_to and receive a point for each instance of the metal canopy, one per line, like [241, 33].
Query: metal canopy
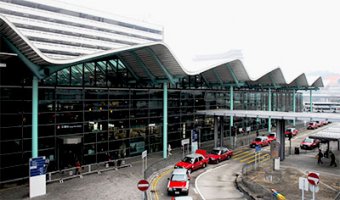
[331, 134]
[299, 82]
[306, 116]
[227, 73]
[273, 78]
[318, 83]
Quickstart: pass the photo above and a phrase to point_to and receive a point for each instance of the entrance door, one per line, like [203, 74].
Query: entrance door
[70, 150]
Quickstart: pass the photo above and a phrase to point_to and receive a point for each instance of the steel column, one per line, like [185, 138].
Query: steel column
[215, 130]
[310, 102]
[269, 109]
[231, 102]
[165, 119]
[35, 117]
[280, 129]
[294, 105]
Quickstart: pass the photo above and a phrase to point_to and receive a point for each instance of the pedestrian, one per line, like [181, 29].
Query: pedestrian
[320, 155]
[169, 150]
[78, 167]
[257, 133]
[332, 159]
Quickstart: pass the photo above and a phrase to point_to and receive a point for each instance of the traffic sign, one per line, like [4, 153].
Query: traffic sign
[144, 154]
[313, 178]
[143, 185]
[257, 148]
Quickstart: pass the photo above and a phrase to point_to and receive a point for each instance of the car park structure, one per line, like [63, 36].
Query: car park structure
[111, 94]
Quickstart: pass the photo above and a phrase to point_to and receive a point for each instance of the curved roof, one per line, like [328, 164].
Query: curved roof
[273, 78]
[226, 73]
[153, 61]
[318, 83]
[300, 81]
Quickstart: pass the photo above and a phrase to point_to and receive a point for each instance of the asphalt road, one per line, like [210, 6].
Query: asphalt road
[216, 181]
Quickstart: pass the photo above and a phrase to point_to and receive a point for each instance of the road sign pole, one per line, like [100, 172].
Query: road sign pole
[313, 192]
[303, 191]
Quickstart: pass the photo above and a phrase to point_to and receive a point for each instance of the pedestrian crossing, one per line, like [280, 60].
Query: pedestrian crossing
[247, 156]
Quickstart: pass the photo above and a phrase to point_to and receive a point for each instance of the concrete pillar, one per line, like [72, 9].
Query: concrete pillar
[35, 101]
[280, 131]
[165, 120]
[221, 129]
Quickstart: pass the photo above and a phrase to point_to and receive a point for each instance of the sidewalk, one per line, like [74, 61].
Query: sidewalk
[118, 185]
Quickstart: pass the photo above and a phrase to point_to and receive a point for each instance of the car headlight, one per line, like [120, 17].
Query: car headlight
[170, 189]
[175, 167]
[184, 189]
[212, 158]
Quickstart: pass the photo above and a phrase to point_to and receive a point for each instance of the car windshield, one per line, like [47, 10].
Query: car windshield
[179, 177]
[215, 152]
[258, 139]
[311, 123]
[188, 160]
[289, 130]
[272, 135]
[309, 140]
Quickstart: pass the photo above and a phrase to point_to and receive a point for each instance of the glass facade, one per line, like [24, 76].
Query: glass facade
[97, 110]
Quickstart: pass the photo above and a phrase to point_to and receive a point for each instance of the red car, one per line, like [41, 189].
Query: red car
[271, 137]
[219, 154]
[291, 131]
[309, 143]
[260, 141]
[312, 125]
[194, 161]
[179, 182]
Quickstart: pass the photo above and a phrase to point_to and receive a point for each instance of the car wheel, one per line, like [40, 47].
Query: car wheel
[228, 158]
[204, 165]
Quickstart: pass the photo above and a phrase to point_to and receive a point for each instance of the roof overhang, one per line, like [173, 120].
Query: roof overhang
[305, 116]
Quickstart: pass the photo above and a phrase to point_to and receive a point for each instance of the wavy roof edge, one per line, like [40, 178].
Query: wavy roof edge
[38, 58]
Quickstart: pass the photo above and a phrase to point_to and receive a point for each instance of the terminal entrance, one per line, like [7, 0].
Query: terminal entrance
[70, 150]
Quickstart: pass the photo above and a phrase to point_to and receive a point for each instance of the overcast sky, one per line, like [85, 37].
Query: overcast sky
[298, 36]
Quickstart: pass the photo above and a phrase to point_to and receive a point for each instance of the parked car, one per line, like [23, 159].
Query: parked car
[219, 154]
[260, 140]
[291, 131]
[312, 125]
[179, 182]
[319, 123]
[194, 161]
[309, 143]
[271, 137]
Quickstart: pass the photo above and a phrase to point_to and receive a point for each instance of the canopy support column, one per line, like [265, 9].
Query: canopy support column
[294, 105]
[35, 101]
[269, 109]
[311, 101]
[165, 120]
[231, 101]
[215, 130]
[280, 129]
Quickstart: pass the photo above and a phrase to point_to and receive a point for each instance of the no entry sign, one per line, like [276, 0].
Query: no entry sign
[143, 185]
[313, 178]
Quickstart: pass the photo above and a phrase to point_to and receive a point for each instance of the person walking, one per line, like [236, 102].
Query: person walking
[320, 155]
[169, 150]
[332, 156]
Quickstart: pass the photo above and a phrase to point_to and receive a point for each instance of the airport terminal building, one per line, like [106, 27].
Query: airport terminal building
[95, 87]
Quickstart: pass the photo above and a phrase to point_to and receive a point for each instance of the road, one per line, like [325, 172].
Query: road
[216, 181]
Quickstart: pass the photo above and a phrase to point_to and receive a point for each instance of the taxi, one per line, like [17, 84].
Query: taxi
[219, 154]
[260, 141]
[194, 161]
[271, 137]
[179, 182]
